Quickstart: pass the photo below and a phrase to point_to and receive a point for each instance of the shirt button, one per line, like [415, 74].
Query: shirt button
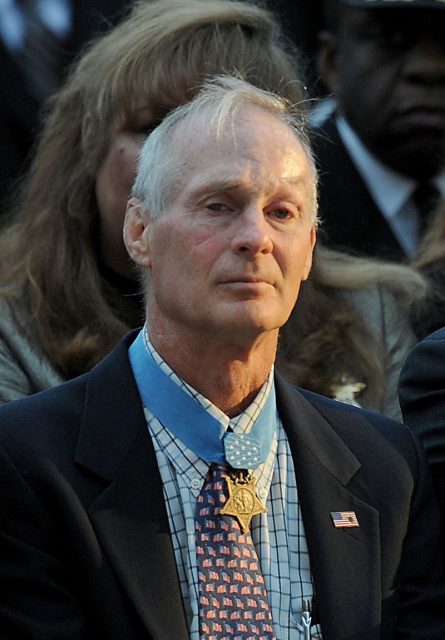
[196, 483]
[262, 493]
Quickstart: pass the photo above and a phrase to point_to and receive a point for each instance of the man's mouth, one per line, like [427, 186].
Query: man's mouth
[424, 117]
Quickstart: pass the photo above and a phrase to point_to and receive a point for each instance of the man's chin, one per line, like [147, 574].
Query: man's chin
[249, 325]
[420, 155]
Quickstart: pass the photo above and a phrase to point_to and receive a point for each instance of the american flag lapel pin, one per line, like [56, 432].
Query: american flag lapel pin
[344, 519]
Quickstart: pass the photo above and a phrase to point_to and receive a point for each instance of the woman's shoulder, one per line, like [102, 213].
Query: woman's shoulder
[380, 309]
[12, 314]
[24, 367]
[369, 301]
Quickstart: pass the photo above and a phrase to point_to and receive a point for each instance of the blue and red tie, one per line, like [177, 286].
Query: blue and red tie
[233, 602]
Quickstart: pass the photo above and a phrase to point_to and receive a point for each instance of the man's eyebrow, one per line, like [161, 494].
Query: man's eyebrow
[292, 180]
[221, 186]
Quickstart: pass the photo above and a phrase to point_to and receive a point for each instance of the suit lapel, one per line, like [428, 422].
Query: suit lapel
[130, 516]
[345, 563]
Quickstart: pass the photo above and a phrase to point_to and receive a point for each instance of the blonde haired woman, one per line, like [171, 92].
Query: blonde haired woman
[68, 291]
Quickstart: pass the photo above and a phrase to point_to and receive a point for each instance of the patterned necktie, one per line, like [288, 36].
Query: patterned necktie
[233, 602]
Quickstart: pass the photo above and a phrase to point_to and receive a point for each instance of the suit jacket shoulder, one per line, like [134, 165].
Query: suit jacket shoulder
[422, 394]
[422, 399]
[354, 461]
[84, 509]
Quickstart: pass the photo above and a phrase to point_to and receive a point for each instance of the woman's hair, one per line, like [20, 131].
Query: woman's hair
[160, 53]
[326, 338]
[432, 247]
[430, 261]
[159, 176]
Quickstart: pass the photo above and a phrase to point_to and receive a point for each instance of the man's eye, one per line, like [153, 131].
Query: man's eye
[281, 214]
[216, 206]
[391, 36]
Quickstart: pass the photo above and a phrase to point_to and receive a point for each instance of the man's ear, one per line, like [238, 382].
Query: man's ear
[136, 232]
[327, 59]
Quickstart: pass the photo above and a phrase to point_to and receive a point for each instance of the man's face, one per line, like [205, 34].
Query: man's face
[227, 257]
[387, 70]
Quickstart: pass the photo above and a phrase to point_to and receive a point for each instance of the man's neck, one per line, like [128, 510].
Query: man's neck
[228, 375]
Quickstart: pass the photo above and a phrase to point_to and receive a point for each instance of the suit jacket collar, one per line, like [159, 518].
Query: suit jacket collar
[131, 520]
[130, 515]
[308, 430]
[345, 563]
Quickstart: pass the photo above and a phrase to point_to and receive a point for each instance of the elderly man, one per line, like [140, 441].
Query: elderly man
[382, 153]
[181, 490]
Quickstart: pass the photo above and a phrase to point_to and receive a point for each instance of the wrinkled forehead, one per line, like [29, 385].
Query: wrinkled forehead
[234, 128]
[250, 144]
[250, 139]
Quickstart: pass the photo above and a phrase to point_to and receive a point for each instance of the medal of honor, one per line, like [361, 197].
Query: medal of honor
[243, 502]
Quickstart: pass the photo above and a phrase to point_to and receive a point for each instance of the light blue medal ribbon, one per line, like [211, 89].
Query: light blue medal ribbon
[187, 419]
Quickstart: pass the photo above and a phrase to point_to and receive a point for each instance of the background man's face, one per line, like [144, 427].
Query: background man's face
[228, 256]
[388, 73]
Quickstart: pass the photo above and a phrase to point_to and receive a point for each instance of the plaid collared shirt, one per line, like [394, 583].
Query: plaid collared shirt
[278, 535]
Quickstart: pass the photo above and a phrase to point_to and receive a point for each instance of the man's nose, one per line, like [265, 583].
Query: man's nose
[252, 233]
[426, 60]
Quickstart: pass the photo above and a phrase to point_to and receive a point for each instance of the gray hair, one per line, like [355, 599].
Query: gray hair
[160, 170]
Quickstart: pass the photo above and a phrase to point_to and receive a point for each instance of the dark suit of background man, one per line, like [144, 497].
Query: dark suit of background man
[100, 477]
[38, 40]
[382, 153]
[422, 399]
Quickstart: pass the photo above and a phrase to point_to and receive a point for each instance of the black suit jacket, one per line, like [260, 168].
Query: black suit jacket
[351, 220]
[84, 537]
[422, 400]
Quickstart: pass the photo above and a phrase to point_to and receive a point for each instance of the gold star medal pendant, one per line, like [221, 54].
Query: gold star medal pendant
[243, 502]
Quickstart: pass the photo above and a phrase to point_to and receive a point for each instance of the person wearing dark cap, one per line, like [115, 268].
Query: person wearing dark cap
[382, 152]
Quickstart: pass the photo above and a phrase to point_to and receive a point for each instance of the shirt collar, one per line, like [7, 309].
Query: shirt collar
[241, 423]
[192, 423]
[187, 463]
